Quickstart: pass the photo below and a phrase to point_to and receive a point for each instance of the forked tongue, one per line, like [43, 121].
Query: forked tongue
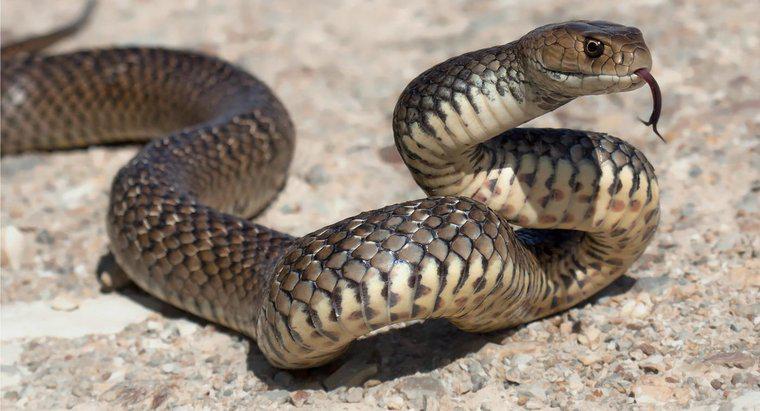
[645, 75]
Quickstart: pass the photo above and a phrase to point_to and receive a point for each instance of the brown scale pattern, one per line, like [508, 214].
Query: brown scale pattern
[222, 145]
[465, 74]
[340, 264]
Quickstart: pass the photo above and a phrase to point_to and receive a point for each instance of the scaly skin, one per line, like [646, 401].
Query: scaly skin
[589, 201]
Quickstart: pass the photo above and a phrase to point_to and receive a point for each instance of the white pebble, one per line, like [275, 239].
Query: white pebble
[186, 327]
[394, 402]
[116, 377]
[64, 303]
[13, 245]
[521, 361]
[153, 325]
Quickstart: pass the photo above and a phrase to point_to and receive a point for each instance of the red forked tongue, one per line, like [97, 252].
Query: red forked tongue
[656, 96]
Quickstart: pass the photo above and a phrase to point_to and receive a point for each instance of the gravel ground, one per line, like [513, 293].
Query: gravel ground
[681, 331]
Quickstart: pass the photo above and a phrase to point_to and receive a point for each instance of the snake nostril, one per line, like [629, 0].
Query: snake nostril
[642, 59]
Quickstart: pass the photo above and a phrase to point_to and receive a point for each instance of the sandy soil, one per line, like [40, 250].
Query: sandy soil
[680, 331]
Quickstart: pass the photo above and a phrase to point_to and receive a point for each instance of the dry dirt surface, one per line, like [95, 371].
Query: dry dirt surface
[680, 331]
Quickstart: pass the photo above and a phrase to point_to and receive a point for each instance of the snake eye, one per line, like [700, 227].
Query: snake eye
[593, 48]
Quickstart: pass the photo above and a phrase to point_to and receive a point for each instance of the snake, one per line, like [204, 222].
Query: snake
[517, 223]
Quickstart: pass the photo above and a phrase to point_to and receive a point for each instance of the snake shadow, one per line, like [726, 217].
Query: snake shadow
[416, 348]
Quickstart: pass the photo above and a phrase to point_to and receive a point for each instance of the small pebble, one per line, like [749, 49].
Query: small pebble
[299, 398]
[647, 348]
[276, 396]
[317, 175]
[732, 359]
[394, 402]
[654, 363]
[64, 303]
[354, 395]
[651, 394]
[13, 245]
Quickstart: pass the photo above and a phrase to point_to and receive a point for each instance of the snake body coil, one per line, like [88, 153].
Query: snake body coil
[223, 145]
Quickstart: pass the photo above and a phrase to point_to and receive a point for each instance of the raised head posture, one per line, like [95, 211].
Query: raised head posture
[221, 144]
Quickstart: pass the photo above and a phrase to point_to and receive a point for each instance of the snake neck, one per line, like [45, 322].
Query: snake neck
[456, 129]
[445, 115]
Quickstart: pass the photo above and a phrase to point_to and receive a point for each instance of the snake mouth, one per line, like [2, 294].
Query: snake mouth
[639, 76]
[612, 80]
[645, 75]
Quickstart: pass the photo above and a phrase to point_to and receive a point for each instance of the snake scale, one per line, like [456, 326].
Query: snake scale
[221, 144]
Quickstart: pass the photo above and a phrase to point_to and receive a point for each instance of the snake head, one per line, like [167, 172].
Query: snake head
[579, 58]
